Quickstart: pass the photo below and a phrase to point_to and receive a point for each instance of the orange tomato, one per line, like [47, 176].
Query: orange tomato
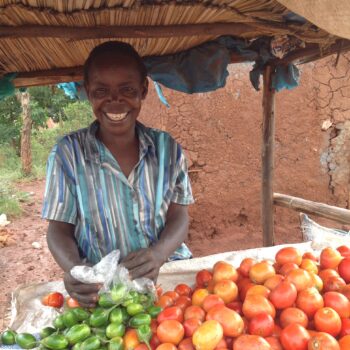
[284, 295]
[227, 290]
[309, 265]
[208, 335]
[186, 344]
[258, 289]
[292, 315]
[166, 346]
[337, 302]
[330, 258]
[191, 325]
[274, 343]
[310, 255]
[256, 304]
[288, 255]
[286, 268]
[231, 322]
[333, 284]
[309, 300]
[141, 346]
[210, 301]
[323, 341]
[170, 331]
[172, 294]
[202, 278]
[131, 340]
[327, 320]
[194, 311]
[326, 273]
[300, 278]
[344, 342]
[261, 271]
[344, 251]
[183, 289]
[54, 299]
[72, 303]
[245, 266]
[316, 281]
[346, 291]
[273, 281]
[165, 301]
[224, 271]
[251, 342]
[198, 296]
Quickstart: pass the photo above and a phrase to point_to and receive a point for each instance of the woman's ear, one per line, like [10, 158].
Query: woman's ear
[145, 89]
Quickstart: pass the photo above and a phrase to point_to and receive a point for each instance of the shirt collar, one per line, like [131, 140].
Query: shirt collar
[91, 150]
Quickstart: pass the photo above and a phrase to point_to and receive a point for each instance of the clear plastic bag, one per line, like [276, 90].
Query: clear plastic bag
[109, 272]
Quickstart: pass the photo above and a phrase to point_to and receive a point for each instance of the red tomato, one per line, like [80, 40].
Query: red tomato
[309, 300]
[344, 269]
[183, 302]
[210, 301]
[165, 301]
[262, 324]
[245, 266]
[330, 258]
[191, 325]
[256, 304]
[345, 327]
[203, 277]
[337, 302]
[333, 283]
[309, 255]
[344, 251]
[274, 343]
[186, 344]
[294, 337]
[172, 294]
[194, 311]
[327, 320]
[284, 295]
[154, 342]
[288, 255]
[183, 289]
[171, 313]
[251, 342]
[236, 306]
[53, 299]
[323, 341]
[166, 346]
[293, 315]
[72, 303]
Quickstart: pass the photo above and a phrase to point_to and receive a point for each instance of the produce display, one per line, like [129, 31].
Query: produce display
[296, 302]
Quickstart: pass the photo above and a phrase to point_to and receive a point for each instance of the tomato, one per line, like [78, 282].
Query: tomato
[170, 331]
[203, 277]
[323, 341]
[288, 255]
[284, 295]
[344, 343]
[166, 346]
[186, 344]
[131, 340]
[245, 266]
[236, 306]
[309, 300]
[198, 296]
[262, 324]
[337, 302]
[165, 301]
[243, 287]
[211, 301]
[344, 251]
[227, 290]
[294, 337]
[191, 325]
[261, 271]
[316, 281]
[208, 335]
[256, 304]
[310, 255]
[53, 299]
[345, 327]
[277, 331]
[344, 269]
[172, 294]
[333, 283]
[346, 291]
[274, 281]
[251, 342]
[183, 302]
[300, 278]
[326, 273]
[330, 258]
[327, 320]
[221, 345]
[72, 303]
[309, 265]
[170, 313]
[154, 342]
[258, 289]
[231, 322]
[286, 268]
[224, 271]
[194, 311]
[274, 343]
[183, 289]
[293, 315]
[141, 346]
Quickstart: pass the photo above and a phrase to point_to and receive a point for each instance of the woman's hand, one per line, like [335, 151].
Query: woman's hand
[145, 262]
[85, 294]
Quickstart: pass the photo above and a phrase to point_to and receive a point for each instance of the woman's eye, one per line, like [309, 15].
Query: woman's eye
[100, 92]
[128, 90]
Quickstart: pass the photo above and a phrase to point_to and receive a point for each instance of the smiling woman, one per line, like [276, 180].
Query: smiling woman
[116, 184]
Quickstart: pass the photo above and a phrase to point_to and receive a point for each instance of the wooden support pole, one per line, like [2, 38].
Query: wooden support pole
[340, 215]
[267, 158]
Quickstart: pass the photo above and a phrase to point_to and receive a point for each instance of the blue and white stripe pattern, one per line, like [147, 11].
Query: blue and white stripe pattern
[86, 187]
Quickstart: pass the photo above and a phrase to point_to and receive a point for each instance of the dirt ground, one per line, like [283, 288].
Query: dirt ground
[221, 133]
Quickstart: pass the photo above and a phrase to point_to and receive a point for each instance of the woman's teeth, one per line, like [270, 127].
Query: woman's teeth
[117, 117]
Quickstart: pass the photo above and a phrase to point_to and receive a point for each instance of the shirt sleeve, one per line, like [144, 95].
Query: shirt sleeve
[182, 192]
[60, 202]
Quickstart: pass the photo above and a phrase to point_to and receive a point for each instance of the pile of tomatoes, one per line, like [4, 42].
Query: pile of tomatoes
[297, 302]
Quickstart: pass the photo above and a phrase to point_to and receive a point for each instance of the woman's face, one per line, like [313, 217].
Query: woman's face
[115, 90]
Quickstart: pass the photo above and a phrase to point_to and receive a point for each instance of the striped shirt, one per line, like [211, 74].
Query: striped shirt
[86, 187]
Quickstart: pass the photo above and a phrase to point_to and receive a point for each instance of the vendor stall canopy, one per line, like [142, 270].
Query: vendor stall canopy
[47, 41]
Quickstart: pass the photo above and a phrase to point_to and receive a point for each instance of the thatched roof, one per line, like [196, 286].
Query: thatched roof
[46, 35]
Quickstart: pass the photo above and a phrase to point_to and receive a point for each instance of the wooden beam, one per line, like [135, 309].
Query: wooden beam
[340, 215]
[157, 31]
[267, 157]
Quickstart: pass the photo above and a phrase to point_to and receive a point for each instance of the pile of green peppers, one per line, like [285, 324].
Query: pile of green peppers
[100, 328]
